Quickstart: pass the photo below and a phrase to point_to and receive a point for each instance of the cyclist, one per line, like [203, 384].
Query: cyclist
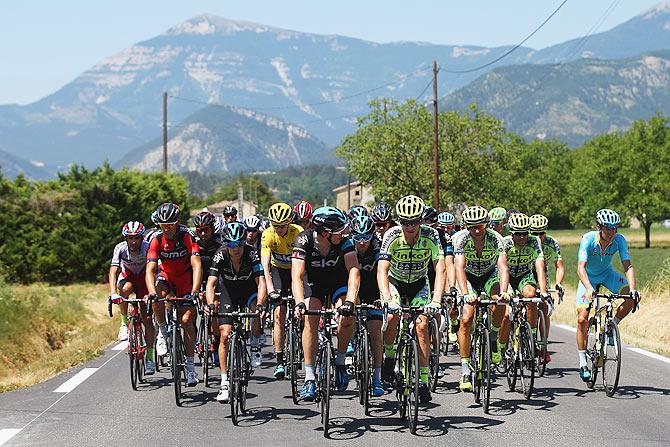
[594, 268]
[208, 241]
[480, 260]
[179, 274]
[498, 220]
[446, 228]
[252, 225]
[237, 270]
[276, 250]
[326, 260]
[149, 233]
[130, 257]
[381, 215]
[367, 250]
[552, 253]
[229, 214]
[525, 260]
[447, 223]
[402, 274]
[303, 214]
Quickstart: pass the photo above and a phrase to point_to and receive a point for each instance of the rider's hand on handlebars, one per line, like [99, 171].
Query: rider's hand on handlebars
[300, 310]
[274, 296]
[116, 299]
[346, 309]
[504, 297]
[470, 298]
[432, 308]
[636, 296]
[589, 294]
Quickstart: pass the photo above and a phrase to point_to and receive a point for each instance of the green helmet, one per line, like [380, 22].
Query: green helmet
[497, 214]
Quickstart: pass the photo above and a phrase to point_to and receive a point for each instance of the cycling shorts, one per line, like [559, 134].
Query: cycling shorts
[236, 296]
[611, 279]
[137, 280]
[519, 282]
[327, 294]
[179, 285]
[417, 292]
[488, 283]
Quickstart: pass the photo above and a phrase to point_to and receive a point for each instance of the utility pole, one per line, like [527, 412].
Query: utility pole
[165, 160]
[436, 159]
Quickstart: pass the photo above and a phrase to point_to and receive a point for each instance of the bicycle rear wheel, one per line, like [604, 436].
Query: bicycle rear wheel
[612, 359]
[434, 361]
[527, 360]
[362, 362]
[412, 384]
[177, 364]
[325, 383]
[593, 350]
[542, 344]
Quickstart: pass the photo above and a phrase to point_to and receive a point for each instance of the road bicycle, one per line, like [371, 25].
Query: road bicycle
[520, 360]
[137, 346]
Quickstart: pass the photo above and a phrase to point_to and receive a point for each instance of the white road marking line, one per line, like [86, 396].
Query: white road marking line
[121, 346]
[8, 433]
[566, 327]
[75, 380]
[653, 355]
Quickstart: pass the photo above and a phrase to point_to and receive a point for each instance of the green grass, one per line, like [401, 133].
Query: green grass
[660, 237]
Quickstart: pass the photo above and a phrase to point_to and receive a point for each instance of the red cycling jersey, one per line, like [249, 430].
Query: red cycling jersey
[174, 254]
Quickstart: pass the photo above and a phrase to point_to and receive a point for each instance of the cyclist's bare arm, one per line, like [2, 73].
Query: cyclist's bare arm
[440, 278]
[354, 281]
[196, 264]
[212, 281]
[583, 276]
[262, 290]
[383, 279]
[560, 271]
[541, 275]
[150, 276]
[113, 274]
[451, 272]
[630, 273]
[297, 272]
[459, 266]
[265, 262]
[504, 272]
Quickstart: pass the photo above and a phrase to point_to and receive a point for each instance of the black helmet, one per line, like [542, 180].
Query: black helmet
[168, 213]
[357, 210]
[328, 218]
[229, 210]
[381, 212]
[234, 232]
[204, 219]
[429, 214]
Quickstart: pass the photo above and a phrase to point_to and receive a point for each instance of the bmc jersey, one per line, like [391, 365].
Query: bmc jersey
[478, 264]
[130, 264]
[250, 265]
[409, 263]
[322, 269]
[597, 260]
[279, 248]
[174, 254]
[521, 260]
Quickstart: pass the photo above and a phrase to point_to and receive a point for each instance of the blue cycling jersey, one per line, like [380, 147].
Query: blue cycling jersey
[597, 260]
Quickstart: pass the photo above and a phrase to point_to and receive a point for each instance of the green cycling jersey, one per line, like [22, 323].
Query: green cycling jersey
[478, 264]
[521, 259]
[551, 249]
[409, 263]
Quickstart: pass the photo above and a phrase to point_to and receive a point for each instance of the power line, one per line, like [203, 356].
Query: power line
[513, 49]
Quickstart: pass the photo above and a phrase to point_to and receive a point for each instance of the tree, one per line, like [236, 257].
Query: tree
[255, 190]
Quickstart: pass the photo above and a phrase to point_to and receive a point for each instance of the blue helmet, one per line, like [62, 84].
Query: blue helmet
[328, 218]
[608, 218]
[362, 228]
[446, 219]
[234, 232]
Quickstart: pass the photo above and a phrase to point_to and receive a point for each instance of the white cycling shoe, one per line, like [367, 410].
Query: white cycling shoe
[256, 359]
[224, 394]
[149, 368]
[191, 378]
[123, 332]
[161, 345]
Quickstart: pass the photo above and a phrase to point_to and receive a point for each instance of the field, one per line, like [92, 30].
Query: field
[46, 329]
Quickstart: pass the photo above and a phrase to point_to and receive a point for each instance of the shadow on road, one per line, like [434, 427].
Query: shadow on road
[635, 392]
[262, 415]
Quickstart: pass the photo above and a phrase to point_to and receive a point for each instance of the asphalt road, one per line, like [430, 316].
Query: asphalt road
[104, 410]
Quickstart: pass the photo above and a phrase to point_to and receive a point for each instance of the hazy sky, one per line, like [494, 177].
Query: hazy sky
[46, 44]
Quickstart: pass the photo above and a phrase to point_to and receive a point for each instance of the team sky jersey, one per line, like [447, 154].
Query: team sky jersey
[322, 269]
[447, 244]
[149, 234]
[129, 263]
[478, 264]
[174, 254]
[597, 260]
[250, 265]
[256, 245]
[280, 249]
[207, 251]
[368, 265]
[521, 260]
[409, 263]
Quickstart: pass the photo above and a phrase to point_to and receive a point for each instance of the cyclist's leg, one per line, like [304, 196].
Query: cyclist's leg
[528, 287]
[310, 330]
[583, 308]
[345, 327]
[392, 325]
[251, 305]
[465, 329]
[422, 327]
[617, 283]
[187, 313]
[500, 316]
[281, 279]
[125, 288]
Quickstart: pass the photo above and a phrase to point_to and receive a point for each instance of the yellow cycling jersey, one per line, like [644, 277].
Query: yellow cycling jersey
[279, 248]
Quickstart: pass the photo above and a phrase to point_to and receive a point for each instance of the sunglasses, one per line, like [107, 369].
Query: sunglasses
[410, 223]
[480, 227]
[520, 233]
[167, 225]
[381, 224]
[205, 230]
[362, 237]
[280, 227]
[235, 244]
[539, 233]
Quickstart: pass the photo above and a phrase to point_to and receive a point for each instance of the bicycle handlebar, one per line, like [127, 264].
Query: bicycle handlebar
[240, 314]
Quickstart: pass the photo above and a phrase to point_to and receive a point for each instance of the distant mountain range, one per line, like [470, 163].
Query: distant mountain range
[230, 139]
[320, 83]
[11, 166]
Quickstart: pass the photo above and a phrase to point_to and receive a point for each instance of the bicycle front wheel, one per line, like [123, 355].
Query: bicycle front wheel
[177, 364]
[132, 355]
[434, 362]
[294, 344]
[412, 384]
[527, 360]
[477, 362]
[612, 358]
[542, 344]
[234, 378]
[325, 383]
[486, 369]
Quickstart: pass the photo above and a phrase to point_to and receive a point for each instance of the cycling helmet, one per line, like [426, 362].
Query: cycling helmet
[429, 214]
[280, 214]
[168, 213]
[252, 223]
[229, 210]
[219, 224]
[608, 218]
[381, 212]
[234, 232]
[154, 218]
[204, 219]
[446, 219]
[265, 223]
[357, 210]
[518, 223]
[133, 228]
[475, 215]
[538, 223]
[328, 218]
[512, 211]
[303, 211]
[497, 214]
[362, 228]
[410, 208]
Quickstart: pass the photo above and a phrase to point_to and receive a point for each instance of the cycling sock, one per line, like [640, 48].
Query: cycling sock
[502, 346]
[616, 320]
[163, 330]
[280, 357]
[465, 366]
[124, 320]
[150, 354]
[494, 332]
[377, 374]
[454, 321]
[189, 364]
[533, 330]
[254, 341]
[309, 373]
[340, 358]
[582, 358]
[224, 378]
[423, 371]
[389, 351]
